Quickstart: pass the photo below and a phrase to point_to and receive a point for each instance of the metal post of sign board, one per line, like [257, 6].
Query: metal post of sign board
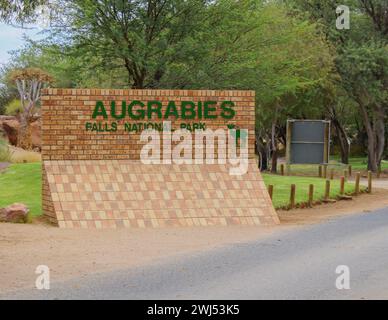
[308, 142]
[288, 147]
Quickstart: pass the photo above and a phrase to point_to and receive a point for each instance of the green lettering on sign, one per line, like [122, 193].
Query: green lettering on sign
[208, 109]
[138, 110]
[171, 110]
[140, 114]
[188, 107]
[99, 110]
[113, 110]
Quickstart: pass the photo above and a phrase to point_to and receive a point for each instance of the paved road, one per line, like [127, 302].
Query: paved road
[296, 263]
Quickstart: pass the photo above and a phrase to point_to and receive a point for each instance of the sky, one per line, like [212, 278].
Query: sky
[11, 38]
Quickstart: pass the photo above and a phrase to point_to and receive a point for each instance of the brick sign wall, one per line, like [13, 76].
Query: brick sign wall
[67, 111]
[93, 177]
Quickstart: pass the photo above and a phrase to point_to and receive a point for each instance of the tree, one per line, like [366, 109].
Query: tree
[19, 11]
[29, 82]
[259, 46]
[224, 44]
[137, 36]
[7, 91]
[377, 10]
[365, 70]
[376, 93]
[361, 61]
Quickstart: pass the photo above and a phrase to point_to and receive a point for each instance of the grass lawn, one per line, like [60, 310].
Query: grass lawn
[281, 193]
[357, 163]
[362, 164]
[22, 183]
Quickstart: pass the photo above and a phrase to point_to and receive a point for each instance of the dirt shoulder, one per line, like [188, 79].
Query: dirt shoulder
[363, 203]
[77, 253]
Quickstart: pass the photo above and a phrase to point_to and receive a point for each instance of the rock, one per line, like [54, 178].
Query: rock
[36, 139]
[3, 135]
[3, 118]
[3, 166]
[11, 128]
[16, 213]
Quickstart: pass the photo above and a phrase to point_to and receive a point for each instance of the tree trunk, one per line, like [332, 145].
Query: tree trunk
[274, 161]
[262, 151]
[372, 159]
[274, 158]
[24, 134]
[343, 141]
[340, 134]
[380, 134]
[263, 159]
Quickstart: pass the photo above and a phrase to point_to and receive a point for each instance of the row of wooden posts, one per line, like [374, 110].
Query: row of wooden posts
[326, 197]
[323, 172]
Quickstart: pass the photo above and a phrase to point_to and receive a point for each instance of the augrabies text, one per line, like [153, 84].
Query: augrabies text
[139, 110]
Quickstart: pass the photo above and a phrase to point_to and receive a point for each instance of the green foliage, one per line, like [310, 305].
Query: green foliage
[19, 11]
[361, 62]
[136, 36]
[193, 44]
[13, 108]
[258, 46]
[289, 52]
[7, 92]
[364, 67]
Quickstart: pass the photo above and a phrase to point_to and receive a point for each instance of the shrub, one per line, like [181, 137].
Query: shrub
[13, 108]
[5, 152]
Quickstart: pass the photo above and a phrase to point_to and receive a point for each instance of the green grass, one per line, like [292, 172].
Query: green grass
[282, 185]
[357, 163]
[22, 183]
[361, 163]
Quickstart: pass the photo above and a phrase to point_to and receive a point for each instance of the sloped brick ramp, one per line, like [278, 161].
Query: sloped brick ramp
[127, 193]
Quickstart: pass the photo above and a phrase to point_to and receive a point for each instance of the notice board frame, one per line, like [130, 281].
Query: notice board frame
[291, 143]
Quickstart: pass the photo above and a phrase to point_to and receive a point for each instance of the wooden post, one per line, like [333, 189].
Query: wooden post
[327, 190]
[346, 175]
[331, 174]
[288, 146]
[326, 143]
[311, 195]
[270, 190]
[320, 171]
[350, 170]
[369, 181]
[357, 184]
[292, 196]
[342, 186]
[282, 169]
[325, 171]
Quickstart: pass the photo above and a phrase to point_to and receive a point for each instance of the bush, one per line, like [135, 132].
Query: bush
[5, 153]
[13, 108]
